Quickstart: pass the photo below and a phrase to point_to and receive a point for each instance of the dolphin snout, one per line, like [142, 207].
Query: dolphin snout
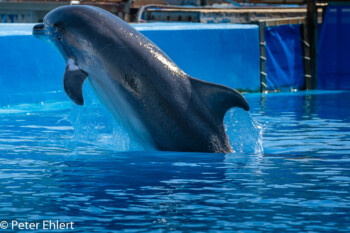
[40, 30]
[39, 26]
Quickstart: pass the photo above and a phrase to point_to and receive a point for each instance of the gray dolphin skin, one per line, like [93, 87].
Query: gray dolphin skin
[161, 106]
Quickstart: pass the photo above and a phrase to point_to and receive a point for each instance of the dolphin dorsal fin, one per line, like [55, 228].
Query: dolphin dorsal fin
[73, 80]
[218, 98]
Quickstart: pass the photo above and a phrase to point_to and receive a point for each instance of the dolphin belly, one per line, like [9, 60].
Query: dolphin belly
[114, 100]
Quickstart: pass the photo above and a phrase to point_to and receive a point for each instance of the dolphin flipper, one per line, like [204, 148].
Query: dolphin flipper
[73, 81]
[218, 98]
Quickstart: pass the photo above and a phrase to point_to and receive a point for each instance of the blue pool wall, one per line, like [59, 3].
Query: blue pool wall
[222, 53]
[29, 73]
[32, 71]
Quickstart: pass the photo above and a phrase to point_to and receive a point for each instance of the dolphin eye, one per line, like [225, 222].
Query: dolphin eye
[59, 30]
[59, 26]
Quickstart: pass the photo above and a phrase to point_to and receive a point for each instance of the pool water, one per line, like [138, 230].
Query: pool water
[290, 171]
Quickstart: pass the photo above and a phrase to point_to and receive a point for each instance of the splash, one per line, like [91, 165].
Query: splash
[93, 124]
[244, 132]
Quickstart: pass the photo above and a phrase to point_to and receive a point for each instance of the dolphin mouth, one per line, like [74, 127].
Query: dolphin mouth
[40, 31]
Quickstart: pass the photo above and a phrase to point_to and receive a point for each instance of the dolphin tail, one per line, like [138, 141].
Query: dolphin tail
[73, 81]
[218, 98]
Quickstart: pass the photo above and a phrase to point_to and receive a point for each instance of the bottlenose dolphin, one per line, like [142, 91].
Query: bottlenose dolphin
[159, 104]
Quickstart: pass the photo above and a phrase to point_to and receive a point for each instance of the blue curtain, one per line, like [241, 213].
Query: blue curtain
[333, 68]
[284, 60]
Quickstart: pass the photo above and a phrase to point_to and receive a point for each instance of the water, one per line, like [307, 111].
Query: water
[61, 162]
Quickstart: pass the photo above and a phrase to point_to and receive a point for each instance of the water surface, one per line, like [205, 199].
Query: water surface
[290, 171]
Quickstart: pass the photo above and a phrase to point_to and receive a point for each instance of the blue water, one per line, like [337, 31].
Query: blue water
[290, 171]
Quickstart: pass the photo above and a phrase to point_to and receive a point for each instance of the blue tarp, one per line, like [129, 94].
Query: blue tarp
[284, 60]
[333, 68]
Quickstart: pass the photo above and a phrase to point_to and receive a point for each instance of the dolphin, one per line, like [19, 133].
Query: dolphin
[161, 106]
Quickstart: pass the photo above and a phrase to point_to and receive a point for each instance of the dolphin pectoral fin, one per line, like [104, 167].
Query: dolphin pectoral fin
[218, 98]
[73, 81]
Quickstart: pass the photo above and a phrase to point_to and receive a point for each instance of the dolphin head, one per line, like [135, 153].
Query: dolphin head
[89, 41]
[68, 29]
